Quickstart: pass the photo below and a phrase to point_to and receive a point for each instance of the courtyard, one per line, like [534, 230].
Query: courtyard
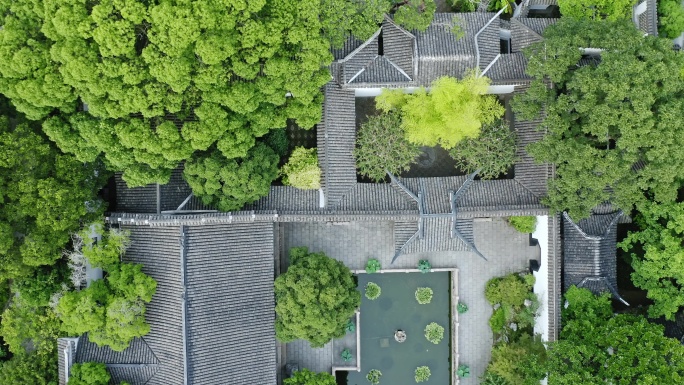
[354, 243]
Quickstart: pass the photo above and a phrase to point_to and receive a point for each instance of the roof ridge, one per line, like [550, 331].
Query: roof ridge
[183, 303]
[361, 47]
[516, 20]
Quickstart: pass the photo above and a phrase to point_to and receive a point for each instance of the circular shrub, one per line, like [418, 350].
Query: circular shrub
[498, 320]
[301, 170]
[372, 290]
[463, 371]
[350, 327]
[374, 376]
[461, 308]
[372, 266]
[424, 266]
[424, 295]
[422, 373]
[346, 355]
[434, 333]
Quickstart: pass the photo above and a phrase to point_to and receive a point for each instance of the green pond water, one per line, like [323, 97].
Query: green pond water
[397, 308]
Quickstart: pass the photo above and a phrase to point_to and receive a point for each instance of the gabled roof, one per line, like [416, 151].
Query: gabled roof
[212, 317]
[527, 31]
[589, 251]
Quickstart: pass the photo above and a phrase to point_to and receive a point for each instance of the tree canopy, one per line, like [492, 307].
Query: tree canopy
[597, 9]
[301, 170]
[657, 256]
[597, 347]
[89, 373]
[492, 152]
[449, 112]
[613, 121]
[314, 299]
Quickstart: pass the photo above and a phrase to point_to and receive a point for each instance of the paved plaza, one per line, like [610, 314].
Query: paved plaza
[354, 242]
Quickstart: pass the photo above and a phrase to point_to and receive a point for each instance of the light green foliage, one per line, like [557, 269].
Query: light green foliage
[492, 151]
[414, 14]
[112, 311]
[670, 18]
[43, 195]
[307, 377]
[463, 5]
[657, 255]
[89, 373]
[599, 347]
[612, 135]
[373, 376]
[223, 68]
[107, 251]
[424, 295]
[434, 332]
[497, 5]
[512, 361]
[301, 170]
[33, 369]
[314, 299]
[499, 319]
[597, 9]
[26, 324]
[373, 290]
[452, 111]
[228, 184]
[509, 290]
[381, 147]
[372, 266]
[524, 224]
[422, 374]
[517, 304]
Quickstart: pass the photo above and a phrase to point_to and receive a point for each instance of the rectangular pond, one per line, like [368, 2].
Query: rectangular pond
[398, 309]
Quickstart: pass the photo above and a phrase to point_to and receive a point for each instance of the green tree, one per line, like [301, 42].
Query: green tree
[512, 361]
[301, 170]
[381, 147]
[228, 184]
[32, 369]
[314, 299]
[414, 14]
[492, 151]
[360, 18]
[657, 256]
[24, 325]
[670, 18]
[307, 377]
[524, 224]
[89, 373]
[597, 9]
[112, 311]
[108, 250]
[37, 289]
[452, 111]
[597, 347]
[612, 135]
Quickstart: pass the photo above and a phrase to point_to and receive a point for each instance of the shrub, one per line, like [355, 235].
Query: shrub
[490, 378]
[671, 22]
[307, 377]
[278, 141]
[372, 266]
[434, 332]
[525, 224]
[464, 5]
[498, 320]
[596, 9]
[510, 290]
[373, 376]
[512, 361]
[422, 373]
[492, 152]
[424, 266]
[346, 355]
[461, 308]
[423, 295]
[372, 290]
[108, 250]
[463, 371]
[301, 170]
[381, 147]
[350, 327]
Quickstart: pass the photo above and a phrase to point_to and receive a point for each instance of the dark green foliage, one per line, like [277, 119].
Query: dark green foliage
[381, 147]
[517, 362]
[307, 377]
[361, 18]
[346, 355]
[612, 134]
[492, 152]
[657, 255]
[43, 195]
[463, 5]
[373, 290]
[463, 371]
[517, 304]
[350, 327]
[23, 324]
[111, 310]
[599, 347]
[414, 14]
[228, 184]
[30, 369]
[424, 266]
[490, 378]
[509, 290]
[372, 266]
[670, 18]
[524, 224]
[89, 373]
[314, 299]
[278, 141]
[37, 289]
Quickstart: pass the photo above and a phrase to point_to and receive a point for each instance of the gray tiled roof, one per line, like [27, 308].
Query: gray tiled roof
[528, 172]
[527, 31]
[348, 47]
[509, 67]
[399, 46]
[381, 70]
[589, 250]
[554, 267]
[357, 60]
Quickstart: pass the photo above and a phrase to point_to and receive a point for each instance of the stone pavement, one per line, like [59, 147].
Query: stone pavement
[353, 243]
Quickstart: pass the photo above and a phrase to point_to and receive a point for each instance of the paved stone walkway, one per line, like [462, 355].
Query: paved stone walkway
[353, 243]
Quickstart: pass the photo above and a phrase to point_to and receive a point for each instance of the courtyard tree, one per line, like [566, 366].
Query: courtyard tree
[307, 377]
[597, 9]
[612, 135]
[381, 147]
[596, 346]
[301, 170]
[228, 184]
[492, 152]
[657, 256]
[30, 368]
[314, 299]
[670, 18]
[89, 373]
[414, 14]
[450, 112]
[513, 360]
